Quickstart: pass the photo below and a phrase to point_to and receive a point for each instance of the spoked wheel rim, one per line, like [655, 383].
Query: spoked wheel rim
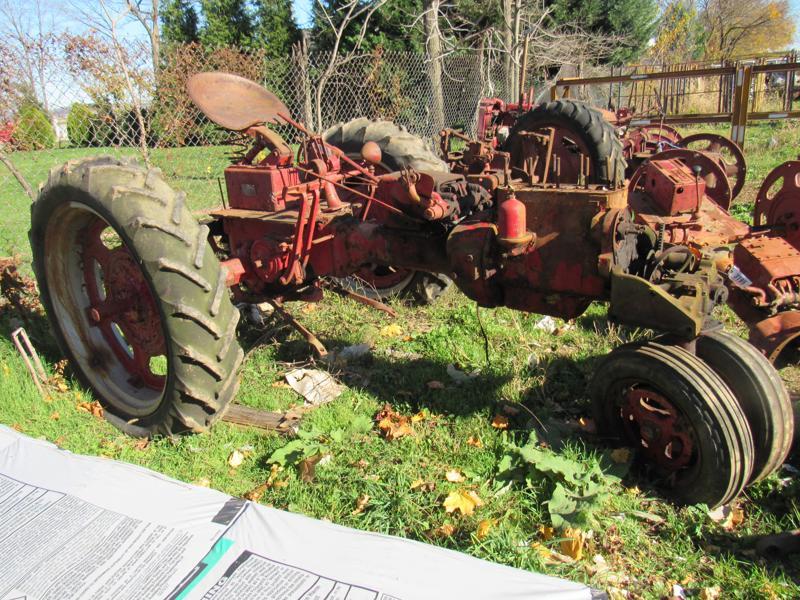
[384, 279]
[727, 154]
[106, 309]
[659, 429]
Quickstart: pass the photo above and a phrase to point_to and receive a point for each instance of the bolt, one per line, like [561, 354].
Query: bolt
[94, 314]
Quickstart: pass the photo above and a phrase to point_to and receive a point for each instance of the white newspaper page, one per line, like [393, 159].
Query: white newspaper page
[76, 527]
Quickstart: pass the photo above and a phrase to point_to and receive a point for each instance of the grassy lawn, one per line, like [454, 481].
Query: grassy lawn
[634, 542]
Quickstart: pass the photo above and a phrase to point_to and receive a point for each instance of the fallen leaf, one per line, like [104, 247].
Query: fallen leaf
[361, 504]
[465, 501]
[236, 459]
[392, 424]
[551, 556]
[309, 307]
[500, 422]
[256, 493]
[141, 443]
[392, 330]
[621, 455]
[474, 441]
[422, 485]
[420, 416]
[17, 427]
[55, 416]
[435, 385]
[454, 476]
[484, 527]
[308, 468]
[572, 544]
[444, 531]
[93, 408]
[546, 532]
[710, 593]
[202, 482]
[729, 517]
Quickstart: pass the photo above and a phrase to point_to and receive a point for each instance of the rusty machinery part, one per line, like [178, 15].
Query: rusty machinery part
[661, 133]
[691, 436]
[234, 102]
[776, 335]
[760, 392]
[778, 200]
[578, 131]
[727, 153]
[704, 167]
[135, 296]
[400, 150]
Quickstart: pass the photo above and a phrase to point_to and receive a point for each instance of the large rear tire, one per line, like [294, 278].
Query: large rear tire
[679, 415]
[399, 150]
[579, 129]
[135, 296]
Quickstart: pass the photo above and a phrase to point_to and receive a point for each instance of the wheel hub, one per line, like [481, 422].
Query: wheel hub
[653, 420]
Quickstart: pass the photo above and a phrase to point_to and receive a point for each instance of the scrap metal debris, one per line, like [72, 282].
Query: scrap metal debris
[316, 386]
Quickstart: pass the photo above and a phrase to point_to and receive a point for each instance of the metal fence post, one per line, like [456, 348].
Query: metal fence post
[741, 100]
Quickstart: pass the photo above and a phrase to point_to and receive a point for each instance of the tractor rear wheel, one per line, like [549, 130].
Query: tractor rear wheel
[760, 392]
[578, 129]
[135, 296]
[399, 150]
[681, 418]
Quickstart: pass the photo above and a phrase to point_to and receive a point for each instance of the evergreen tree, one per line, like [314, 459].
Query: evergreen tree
[275, 29]
[178, 22]
[227, 23]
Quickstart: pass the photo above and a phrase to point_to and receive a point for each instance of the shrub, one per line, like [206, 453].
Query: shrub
[79, 125]
[33, 130]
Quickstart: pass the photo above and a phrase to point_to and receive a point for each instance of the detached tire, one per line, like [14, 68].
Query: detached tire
[679, 416]
[135, 296]
[579, 128]
[760, 392]
[400, 150]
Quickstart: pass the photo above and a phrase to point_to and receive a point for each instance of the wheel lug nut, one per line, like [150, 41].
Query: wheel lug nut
[94, 314]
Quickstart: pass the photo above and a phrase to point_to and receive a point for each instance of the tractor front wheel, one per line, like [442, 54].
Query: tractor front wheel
[135, 296]
[679, 416]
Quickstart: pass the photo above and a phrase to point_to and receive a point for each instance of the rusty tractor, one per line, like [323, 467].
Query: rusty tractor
[141, 294]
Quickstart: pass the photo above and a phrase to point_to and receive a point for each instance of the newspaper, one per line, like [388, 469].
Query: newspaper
[82, 527]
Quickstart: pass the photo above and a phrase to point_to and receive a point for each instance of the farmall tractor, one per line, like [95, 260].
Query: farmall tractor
[141, 294]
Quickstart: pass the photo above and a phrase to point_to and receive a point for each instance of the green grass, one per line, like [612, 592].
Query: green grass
[549, 390]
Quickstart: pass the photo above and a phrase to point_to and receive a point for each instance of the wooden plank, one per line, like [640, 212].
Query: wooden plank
[263, 419]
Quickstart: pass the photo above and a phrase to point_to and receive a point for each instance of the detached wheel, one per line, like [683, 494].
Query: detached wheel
[135, 296]
[400, 150]
[685, 424]
[579, 129]
[760, 392]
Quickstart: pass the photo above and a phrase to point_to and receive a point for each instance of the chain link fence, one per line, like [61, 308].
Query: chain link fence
[94, 97]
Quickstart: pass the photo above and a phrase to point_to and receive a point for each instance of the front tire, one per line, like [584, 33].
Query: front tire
[135, 296]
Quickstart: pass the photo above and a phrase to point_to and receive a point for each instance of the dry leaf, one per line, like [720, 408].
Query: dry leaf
[420, 416]
[549, 556]
[621, 455]
[454, 476]
[392, 424]
[202, 482]
[422, 485]
[572, 544]
[256, 493]
[309, 307]
[465, 501]
[308, 468]
[474, 441]
[236, 459]
[392, 330]
[729, 517]
[17, 427]
[141, 443]
[435, 385]
[361, 504]
[500, 422]
[546, 532]
[444, 531]
[484, 527]
[55, 416]
[710, 593]
[272, 481]
[94, 408]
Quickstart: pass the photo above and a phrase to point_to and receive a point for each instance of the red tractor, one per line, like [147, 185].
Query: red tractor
[141, 295]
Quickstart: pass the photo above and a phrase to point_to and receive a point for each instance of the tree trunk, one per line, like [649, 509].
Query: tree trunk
[155, 38]
[433, 39]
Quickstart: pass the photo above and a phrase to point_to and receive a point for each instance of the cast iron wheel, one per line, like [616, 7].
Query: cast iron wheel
[760, 392]
[400, 150]
[579, 129]
[135, 296]
[680, 416]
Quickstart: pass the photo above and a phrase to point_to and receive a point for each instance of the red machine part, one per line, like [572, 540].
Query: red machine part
[672, 187]
[725, 152]
[778, 201]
